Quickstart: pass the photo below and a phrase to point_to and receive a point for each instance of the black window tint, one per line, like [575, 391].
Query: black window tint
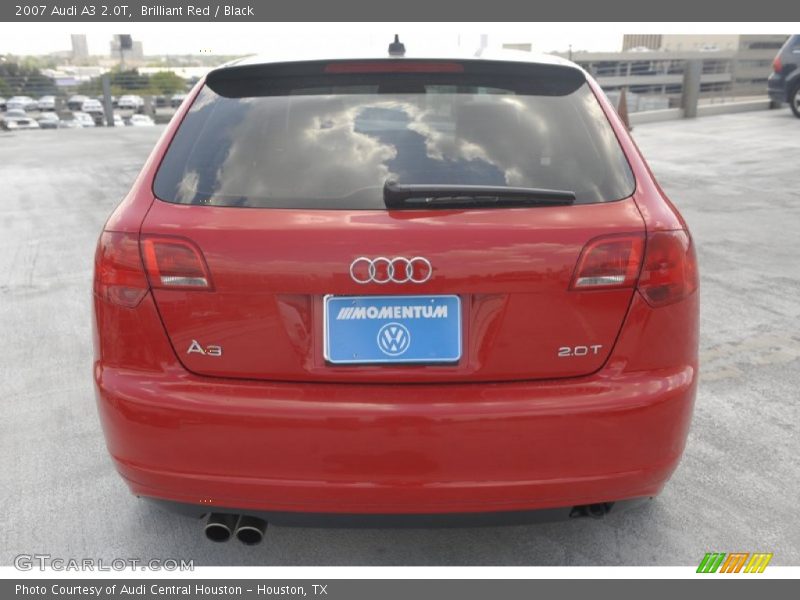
[334, 146]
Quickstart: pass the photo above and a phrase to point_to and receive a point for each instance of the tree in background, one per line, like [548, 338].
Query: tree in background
[167, 83]
[130, 80]
[22, 80]
[25, 79]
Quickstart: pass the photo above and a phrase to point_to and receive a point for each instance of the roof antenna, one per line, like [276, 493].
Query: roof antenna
[397, 48]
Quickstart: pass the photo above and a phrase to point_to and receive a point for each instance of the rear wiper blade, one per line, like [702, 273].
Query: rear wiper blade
[396, 195]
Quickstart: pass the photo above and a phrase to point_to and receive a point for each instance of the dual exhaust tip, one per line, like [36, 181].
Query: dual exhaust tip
[220, 527]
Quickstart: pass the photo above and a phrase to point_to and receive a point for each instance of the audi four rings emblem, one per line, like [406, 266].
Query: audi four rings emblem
[391, 270]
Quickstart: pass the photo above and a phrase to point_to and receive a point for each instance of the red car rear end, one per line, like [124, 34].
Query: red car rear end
[402, 286]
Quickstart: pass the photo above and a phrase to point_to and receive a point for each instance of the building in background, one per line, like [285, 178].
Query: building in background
[188, 73]
[525, 47]
[654, 78]
[697, 42]
[651, 67]
[127, 50]
[754, 57]
[750, 64]
[80, 48]
[71, 76]
[641, 41]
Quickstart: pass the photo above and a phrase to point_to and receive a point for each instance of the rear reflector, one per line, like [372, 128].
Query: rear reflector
[174, 263]
[118, 274]
[609, 262]
[669, 272]
[394, 66]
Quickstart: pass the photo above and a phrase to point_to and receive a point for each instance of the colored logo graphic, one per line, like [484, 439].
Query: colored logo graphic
[394, 339]
[734, 562]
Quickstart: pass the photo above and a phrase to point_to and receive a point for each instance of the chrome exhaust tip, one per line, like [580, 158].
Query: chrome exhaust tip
[250, 530]
[219, 527]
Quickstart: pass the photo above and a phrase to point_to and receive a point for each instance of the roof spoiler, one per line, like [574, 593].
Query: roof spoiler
[282, 78]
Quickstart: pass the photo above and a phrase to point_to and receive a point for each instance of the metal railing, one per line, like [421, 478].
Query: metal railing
[658, 80]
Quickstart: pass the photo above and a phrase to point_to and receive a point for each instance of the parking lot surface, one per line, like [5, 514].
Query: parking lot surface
[734, 177]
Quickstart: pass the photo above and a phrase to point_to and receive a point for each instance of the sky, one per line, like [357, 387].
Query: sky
[247, 38]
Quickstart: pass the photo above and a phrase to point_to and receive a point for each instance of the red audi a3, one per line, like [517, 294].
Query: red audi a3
[387, 288]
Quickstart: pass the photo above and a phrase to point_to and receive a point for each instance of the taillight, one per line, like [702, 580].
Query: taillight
[174, 263]
[609, 262]
[118, 274]
[669, 272]
[776, 64]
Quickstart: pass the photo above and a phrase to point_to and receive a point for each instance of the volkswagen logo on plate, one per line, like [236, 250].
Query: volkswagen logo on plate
[394, 339]
[395, 270]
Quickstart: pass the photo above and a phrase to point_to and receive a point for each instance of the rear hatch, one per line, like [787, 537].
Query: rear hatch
[273, 254]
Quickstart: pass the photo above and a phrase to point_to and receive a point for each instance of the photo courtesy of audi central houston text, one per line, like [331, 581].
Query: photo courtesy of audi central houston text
[395, 286]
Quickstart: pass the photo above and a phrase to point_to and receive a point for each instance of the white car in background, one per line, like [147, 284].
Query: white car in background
[141, 121]
[49, 120]
[47, 103]
[85, 119]
[130, 102]
[16, 118]
[70, 122]
[92, 106]
[25, 103]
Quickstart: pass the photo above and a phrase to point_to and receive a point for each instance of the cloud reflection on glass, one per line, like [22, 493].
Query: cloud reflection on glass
[337, 150]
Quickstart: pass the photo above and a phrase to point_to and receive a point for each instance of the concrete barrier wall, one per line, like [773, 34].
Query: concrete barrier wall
[703, 110]
[707, 110]
[654, 116]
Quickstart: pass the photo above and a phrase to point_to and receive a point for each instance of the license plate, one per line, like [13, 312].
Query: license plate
[392, 329]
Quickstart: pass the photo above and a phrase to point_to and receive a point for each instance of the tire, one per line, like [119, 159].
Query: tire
[794, 100]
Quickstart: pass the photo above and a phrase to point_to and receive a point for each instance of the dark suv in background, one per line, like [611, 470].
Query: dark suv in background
[784, 83]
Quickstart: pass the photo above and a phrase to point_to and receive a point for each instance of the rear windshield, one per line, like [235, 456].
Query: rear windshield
[332, 141]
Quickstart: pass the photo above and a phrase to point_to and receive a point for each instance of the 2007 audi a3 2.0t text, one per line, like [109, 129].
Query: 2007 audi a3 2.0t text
[429, 287]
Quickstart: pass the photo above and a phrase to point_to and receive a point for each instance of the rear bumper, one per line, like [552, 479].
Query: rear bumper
[411, 449]
[776, 88]
[409, 520]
